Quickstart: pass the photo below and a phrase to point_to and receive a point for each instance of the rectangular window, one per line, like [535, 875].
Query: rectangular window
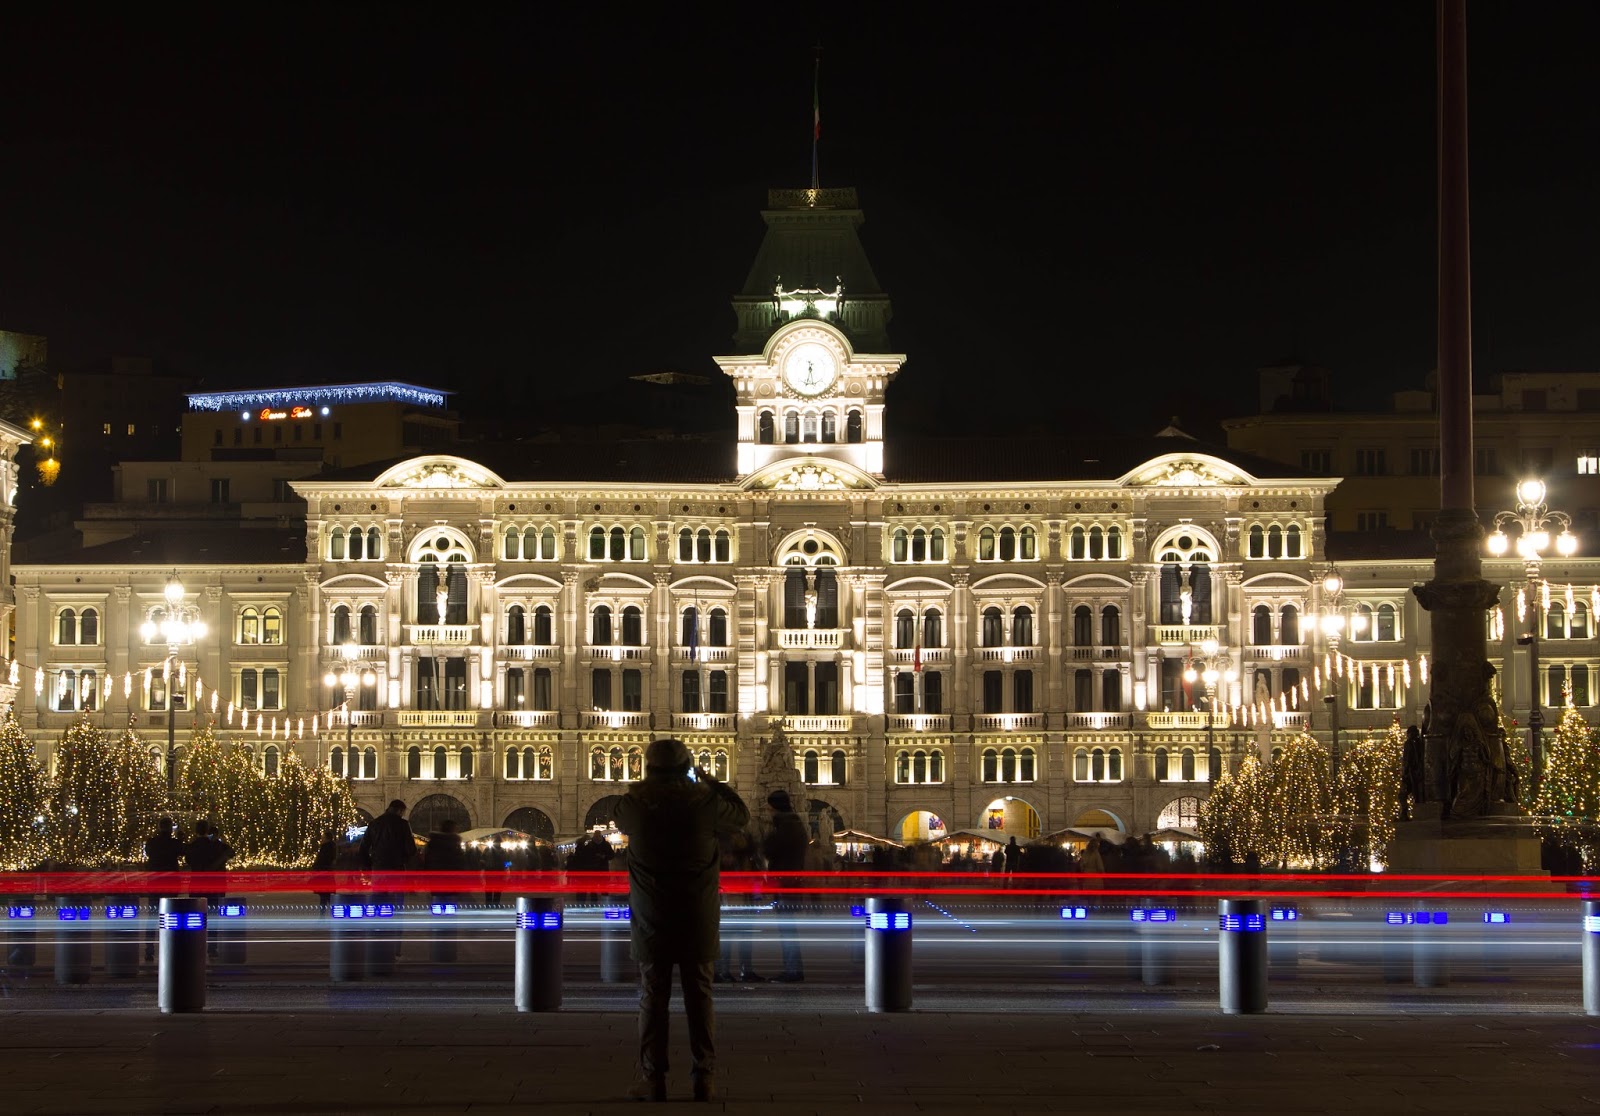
[1372, 520]
[238, 435]
[1022, 692]
[1588, 465]
[1486, 462]
[255, 435]
[1316, 461]
[632, 691]
[299, 433]
[248, 695]
[106, 429]
[338, 431]
[281, 492]
[1371, 462]
[600, 689]
[993, 691]
[1425, 461]
[541, 689]
[269, 690]
[131, 429]
[219, 490]
[316, 432]
[158, 490]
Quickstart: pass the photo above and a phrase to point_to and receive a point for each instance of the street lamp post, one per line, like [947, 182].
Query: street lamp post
[1333, 622]
[1533, 520]
[179, 625]
[1210, 673]
[346, 677]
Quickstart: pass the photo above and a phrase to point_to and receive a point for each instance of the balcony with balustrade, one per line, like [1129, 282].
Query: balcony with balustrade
[527, 719]
[1007, 654]
[615, 719]
[616, 652]
[1007, 722]
[703, 722]
[1176, 635]
[703, 654]
[530, 652]
[447, 635]
[1275, 652]
[1099, 721]
[931, 656]
[1098, 654]
[436, 718]
[918, 722]
[818, 723]
[811, 639]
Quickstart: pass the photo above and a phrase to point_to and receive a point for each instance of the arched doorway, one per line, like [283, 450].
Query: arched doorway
[1180, 813]
[532, 821]
[919, 825]
[1010, 817]
[822, 820]
[427, 814]
[601, 812]
[1100, 819]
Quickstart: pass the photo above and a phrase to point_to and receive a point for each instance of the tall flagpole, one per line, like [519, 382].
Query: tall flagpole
[816, 112]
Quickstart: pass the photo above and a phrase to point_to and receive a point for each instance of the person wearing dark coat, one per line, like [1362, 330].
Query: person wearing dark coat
[208, 852]
[444, 852]
[388, 846]
[161, 853]
[326, 860]
[673, 821]
[785, 848]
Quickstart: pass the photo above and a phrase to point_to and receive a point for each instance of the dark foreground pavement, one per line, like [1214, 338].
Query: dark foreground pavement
[791, 1050]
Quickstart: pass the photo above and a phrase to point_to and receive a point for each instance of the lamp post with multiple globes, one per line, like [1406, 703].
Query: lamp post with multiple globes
[178, 625]
[1533, 521]
[1213, 667]
[1332, 623]
[346, 678]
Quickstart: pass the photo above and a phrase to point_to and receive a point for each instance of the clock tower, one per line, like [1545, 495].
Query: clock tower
[810, 370]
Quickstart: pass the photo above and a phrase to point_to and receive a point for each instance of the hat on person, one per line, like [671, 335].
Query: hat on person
[779, 800]
[667, 755]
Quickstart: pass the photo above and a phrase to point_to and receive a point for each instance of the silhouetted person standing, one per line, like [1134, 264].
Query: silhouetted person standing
[207, 852]
[389, 846]
[161, 853]
[785, 849]
[326, 860]
[673, 822]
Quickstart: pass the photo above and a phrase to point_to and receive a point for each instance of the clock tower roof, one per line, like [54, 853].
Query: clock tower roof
[811, 265]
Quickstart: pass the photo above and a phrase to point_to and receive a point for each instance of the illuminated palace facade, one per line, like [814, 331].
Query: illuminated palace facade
[969, 634]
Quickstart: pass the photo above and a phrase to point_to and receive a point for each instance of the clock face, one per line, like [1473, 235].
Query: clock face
[809, 369]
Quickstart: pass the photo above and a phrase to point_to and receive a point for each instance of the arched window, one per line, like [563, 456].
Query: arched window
[368, 625]
[1186, 765]
[601, 626]
[619, 544]
[597, 544]
[1022, 626]
[1261, 625]
[1258, 541]
[1028, 544]
[374, 544]
[512, 550]
[1161, 765]
[1114, 765]
[542, 626]
[993, 627]
[1082, 626]
[249, 626]
[1080, 765]
[530, 543]
[853, 432]
[414, 762]
[936, 545]
[465, 761]
[702, 541]
[67, 627]
[919, 545]
[791, 427]
[1274, 541]
[836, 764]
[441, 762]
[722, 546]
[932, 628]
[341, 624]
[1386, 622]
[547, 545]
[1579, 628]
[902, 766]
[336, 761]
[688, 627]
[685, 544]
[1097, 765]
[1008, 544]
[632, 626]
[1114, 543]
[369, 762]
[336, 544]
[428, 590]
[1289, 626]
[1008, 765]
[905, 628]
[717, 628]
[546, 762]
[986, 545]
[358, 543]
[269, 760]
[597, 762]
[765, 434]
[513, 764]
[1077, 550]
[1097, 544]
[1291, 541]
[1026, 767]
[516, 625]
[67, 690]
[830, 426]
[900, 546]
[636, 545]
[991, 765]
[1361, 627]
[810, 767]
[89, 627]
[1110, 626]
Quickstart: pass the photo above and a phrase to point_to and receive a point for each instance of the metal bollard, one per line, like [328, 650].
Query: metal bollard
[442, 939]
[21, 950]
[124, 938]
[72, 945]
[538, 975]
[347, 939]
[1283, 940]
[616, 930]
[1591, 957]
[229, 927]
[1075, 916]
[1155, 954]
[182, 981]
[1242, 956]
[888, 950]
[383, 939]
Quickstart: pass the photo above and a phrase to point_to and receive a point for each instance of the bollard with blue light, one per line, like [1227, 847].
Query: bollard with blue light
[442, 942]
[888, 954]
[1591, 957]
[383, 942]
[182, 980]
[1242, 956]
[229, 926]
[21, 951]
[1430, 965]
[123, 939]
[1283, 940]
[1155, 961]
[72, 945]
[616, 933]
[347, 939]
[538, 973]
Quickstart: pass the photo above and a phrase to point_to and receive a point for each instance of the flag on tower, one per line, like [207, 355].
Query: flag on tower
[692, 621]
[916, 652]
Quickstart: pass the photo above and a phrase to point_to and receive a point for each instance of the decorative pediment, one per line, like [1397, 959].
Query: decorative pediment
[1185, 471]
[439, 472]
[810, 475]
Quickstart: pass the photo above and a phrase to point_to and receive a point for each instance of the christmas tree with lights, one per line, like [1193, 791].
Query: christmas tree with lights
[143, 789]
[1301, 830]
[1366, 796]
[105, 798]
[201, 786]
[305, 802]
[1569, 794]
[24, 798]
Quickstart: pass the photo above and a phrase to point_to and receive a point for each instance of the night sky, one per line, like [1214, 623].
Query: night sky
[1125, 208]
